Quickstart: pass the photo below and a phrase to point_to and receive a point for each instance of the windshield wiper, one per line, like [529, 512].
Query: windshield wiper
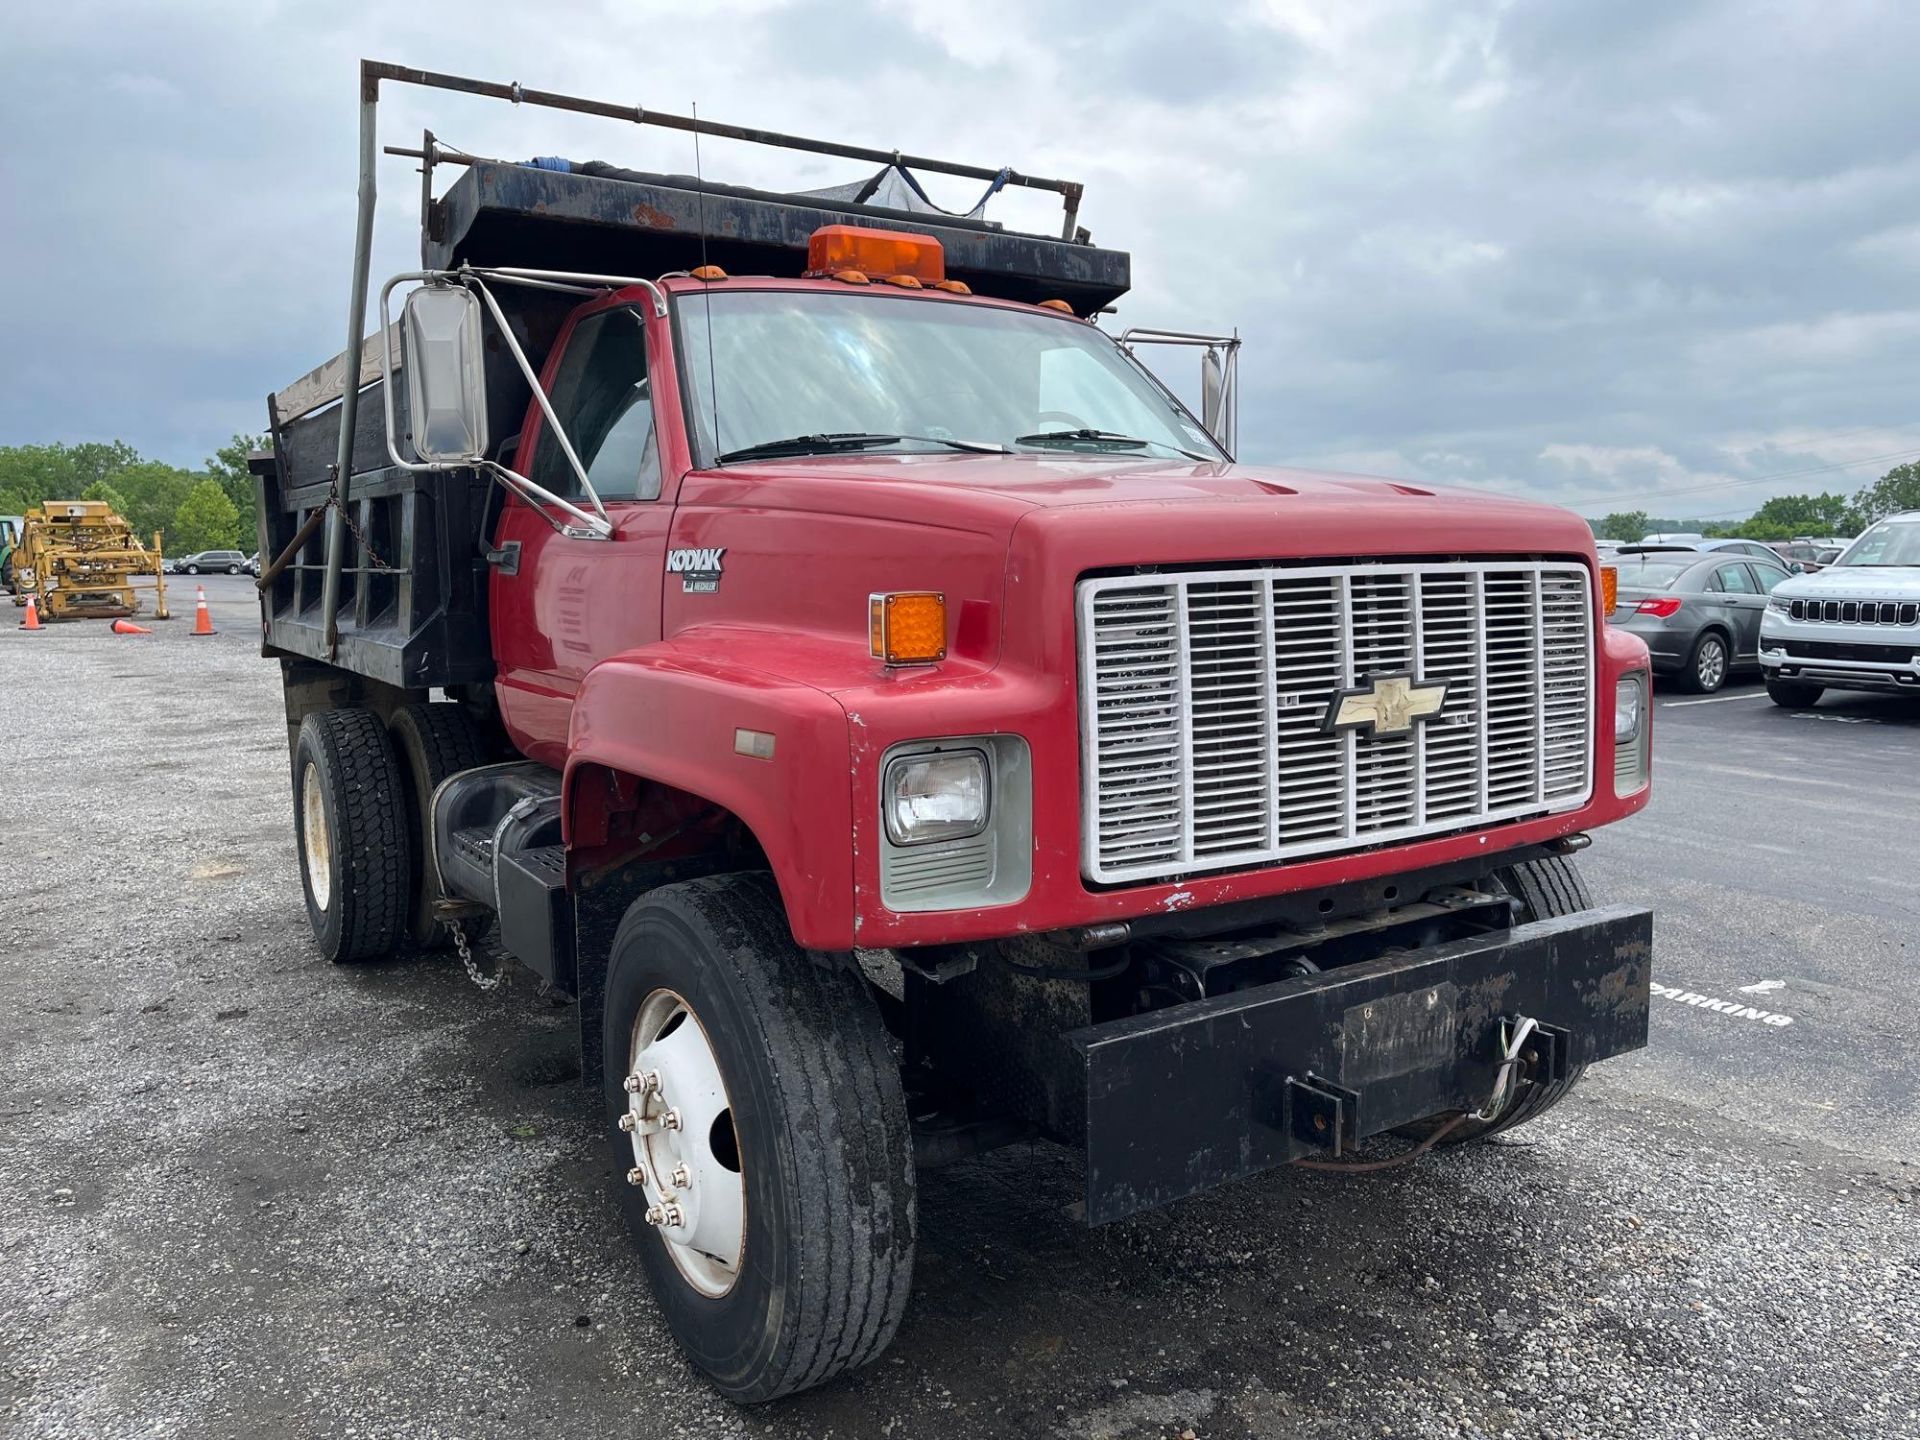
[834, 442]
[1108, 438]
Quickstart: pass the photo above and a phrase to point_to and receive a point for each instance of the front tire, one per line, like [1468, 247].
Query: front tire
[783, 1083]
[1542, 889]
[1707, 667]
[1793, 694]
[193, 569]
[349, 820]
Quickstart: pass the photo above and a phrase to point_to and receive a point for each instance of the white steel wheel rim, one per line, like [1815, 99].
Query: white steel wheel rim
[1713, 662]
[685, 1146]
[315, 840]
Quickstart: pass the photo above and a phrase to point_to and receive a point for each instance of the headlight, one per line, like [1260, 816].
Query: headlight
[1778, 602]
[1629, 710]
[936, 797]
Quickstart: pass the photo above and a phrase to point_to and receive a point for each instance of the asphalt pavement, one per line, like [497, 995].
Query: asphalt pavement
[244, 1193]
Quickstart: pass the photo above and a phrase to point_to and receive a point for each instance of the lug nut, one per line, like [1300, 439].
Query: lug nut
[682, 1178]
[636, 1176]
[673, 1217]
[643, 1082]
[656, 1216]
[629, 1122]
[671, 1119]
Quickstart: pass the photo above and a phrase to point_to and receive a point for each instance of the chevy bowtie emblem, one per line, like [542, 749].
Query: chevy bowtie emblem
[1385, 705]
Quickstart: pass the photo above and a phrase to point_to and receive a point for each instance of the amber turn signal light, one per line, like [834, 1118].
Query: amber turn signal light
[1609, 588]
[907, 627]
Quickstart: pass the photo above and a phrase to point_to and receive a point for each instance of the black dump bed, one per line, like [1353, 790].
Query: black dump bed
[601, 219]
[414, 583]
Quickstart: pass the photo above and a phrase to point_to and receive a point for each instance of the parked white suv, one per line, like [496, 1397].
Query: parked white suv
[1854, 625]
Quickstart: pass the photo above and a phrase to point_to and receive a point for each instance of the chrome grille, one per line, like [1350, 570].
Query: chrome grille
[1205, 697]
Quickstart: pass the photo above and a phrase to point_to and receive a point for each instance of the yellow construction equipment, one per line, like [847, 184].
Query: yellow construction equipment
[78, 560]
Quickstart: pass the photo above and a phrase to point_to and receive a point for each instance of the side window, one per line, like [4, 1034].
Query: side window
[1734, 580]
[602, 396]
[1768, 575]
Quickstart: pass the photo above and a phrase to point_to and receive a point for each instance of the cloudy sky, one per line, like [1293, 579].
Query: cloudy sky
[1627, 254]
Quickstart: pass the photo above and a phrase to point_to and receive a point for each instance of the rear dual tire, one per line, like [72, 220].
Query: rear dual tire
[350, 822]
[431, 743]
[362, 800]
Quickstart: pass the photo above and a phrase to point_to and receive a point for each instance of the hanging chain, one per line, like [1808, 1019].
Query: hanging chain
[485, 982]
[354, 530]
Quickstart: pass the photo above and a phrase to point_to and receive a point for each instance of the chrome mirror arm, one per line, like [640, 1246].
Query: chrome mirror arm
[604, 526]
[595, 525]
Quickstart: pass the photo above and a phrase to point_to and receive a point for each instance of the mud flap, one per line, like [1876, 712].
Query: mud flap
[1185, 1098]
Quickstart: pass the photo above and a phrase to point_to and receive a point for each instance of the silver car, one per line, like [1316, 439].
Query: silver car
[1853, 626]
[1699, 612]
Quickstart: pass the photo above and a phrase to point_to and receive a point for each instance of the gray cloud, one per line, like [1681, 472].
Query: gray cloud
[1631, 250]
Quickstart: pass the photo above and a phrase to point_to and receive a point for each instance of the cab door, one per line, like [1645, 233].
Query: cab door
[561, 604]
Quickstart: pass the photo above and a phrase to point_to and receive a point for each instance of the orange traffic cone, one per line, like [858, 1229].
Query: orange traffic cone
[202, 621]
[127, 627]
[32, 622]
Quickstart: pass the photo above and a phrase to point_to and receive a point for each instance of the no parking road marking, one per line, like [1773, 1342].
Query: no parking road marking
[1732, 1008]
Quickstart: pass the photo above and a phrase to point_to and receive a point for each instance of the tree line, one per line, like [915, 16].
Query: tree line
[211, 508]
[1784, 516]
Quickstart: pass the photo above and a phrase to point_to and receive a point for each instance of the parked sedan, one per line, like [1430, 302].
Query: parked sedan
[1698, 612]
[211, 562]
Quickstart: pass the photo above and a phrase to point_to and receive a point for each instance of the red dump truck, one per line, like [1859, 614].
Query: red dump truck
[791, 626]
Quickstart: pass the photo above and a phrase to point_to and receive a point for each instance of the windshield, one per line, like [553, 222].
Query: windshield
[1891, 542]
[810, 372]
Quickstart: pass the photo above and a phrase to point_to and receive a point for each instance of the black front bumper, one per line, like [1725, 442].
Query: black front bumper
[1181, 1099]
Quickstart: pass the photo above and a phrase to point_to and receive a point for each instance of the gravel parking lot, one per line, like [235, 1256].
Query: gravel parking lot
[245, 1193]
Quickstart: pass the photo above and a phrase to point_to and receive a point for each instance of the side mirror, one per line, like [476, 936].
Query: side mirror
[1213, 387]
[440, 336]
[1797, 568]
[1219, 376]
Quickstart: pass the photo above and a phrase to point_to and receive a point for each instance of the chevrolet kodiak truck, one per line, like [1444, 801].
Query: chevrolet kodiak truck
[791, 627]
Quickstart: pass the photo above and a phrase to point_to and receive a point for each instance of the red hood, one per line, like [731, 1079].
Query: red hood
[1251, 510]
[1006, 537]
